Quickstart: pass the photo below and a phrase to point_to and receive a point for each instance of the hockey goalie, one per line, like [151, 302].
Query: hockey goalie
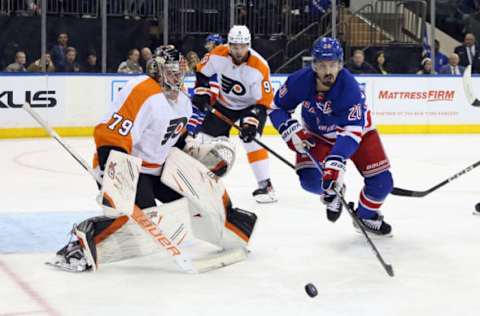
[143, 156]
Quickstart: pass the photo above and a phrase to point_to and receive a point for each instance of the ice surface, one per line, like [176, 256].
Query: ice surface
[435, 250]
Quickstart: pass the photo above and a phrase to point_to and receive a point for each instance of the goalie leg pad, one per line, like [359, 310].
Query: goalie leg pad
[241, 222]
[212, 217]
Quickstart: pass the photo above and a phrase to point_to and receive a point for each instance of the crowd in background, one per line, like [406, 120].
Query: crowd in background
[64, 58]
[468, 53]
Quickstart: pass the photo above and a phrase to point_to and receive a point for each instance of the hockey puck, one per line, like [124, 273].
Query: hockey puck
[477, 208]
[311, 290]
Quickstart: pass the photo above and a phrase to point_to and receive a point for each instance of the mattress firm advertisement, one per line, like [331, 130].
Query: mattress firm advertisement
[74, 103]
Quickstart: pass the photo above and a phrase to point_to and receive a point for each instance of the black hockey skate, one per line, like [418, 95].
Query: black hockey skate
[376, 226]
[265, 193]
[70, 258]
[334, 205]
[79, 255]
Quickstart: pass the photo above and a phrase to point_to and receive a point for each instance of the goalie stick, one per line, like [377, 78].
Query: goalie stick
[184, 261]
[388, 267]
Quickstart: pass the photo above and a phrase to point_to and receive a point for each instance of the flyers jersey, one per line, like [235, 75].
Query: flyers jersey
[144, 123]
[240, 86]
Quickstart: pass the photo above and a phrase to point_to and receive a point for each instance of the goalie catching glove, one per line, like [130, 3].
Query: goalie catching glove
[217, 154]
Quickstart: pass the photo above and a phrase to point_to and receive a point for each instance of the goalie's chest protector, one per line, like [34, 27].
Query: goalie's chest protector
[165, 123]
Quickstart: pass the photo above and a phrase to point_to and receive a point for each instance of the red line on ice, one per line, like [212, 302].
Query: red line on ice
[28, 290]
[23, 313]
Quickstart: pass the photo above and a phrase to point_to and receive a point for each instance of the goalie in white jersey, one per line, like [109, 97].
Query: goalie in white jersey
[243, 93]
[148, 119]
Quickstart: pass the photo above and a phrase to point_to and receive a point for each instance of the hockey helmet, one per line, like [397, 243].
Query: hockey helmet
[216, 39]
[239, 34]
[168, 67]
[327, 48]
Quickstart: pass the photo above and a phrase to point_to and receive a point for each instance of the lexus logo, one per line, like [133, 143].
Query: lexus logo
[37, 99]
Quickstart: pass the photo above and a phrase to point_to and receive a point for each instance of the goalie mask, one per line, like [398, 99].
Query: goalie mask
[168, 67]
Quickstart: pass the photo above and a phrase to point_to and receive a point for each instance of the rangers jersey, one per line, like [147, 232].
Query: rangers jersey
[338, 116]
[239, 86]
[144, 123]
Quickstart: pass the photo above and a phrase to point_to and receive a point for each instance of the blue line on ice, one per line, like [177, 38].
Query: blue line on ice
[37, 232]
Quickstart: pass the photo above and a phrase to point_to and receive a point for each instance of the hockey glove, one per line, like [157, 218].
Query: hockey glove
[201, 99]
[295, 136]
[250, 122]
[333, 171]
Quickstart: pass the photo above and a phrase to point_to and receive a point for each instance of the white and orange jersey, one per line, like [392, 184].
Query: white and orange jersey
[144, 122]
[242, 85]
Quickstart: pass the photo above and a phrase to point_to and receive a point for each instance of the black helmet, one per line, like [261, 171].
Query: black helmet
[168, 67]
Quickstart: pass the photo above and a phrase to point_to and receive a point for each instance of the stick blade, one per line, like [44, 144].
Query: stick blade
[389, 270]
[409, 193]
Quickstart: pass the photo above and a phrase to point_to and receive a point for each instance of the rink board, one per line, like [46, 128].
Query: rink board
[73, 104]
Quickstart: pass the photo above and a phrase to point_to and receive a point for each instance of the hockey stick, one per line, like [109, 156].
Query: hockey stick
[410, 193]
[231, 123]
[468, 87]
[184, 261]
[388, 267]
[57, 137]
[472, 100]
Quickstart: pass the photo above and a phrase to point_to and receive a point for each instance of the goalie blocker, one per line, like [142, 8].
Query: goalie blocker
[203, 211]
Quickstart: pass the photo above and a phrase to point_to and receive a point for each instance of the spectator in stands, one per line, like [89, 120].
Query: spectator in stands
[425, 67]
[91, 64]
[71, 64]
[358, 65]
[36, 66]
[212, 41]
[146, 56]
[380, 63]
[192, 61]
[131, 65]
[58, 51]
[440, 59]
[19, 64]
[452, 68]
[469, 52]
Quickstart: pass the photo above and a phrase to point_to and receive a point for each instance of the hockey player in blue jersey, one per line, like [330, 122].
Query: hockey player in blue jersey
[337, 126]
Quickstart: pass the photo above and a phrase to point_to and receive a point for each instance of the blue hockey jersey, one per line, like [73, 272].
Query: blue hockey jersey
[339, 116]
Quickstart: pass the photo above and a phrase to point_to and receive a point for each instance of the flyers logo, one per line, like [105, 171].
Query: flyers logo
[174, 129]
[229, 84]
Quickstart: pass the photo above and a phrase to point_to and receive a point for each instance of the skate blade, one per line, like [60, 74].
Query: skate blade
[63, 267]
[373, 235]
[265, 199]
